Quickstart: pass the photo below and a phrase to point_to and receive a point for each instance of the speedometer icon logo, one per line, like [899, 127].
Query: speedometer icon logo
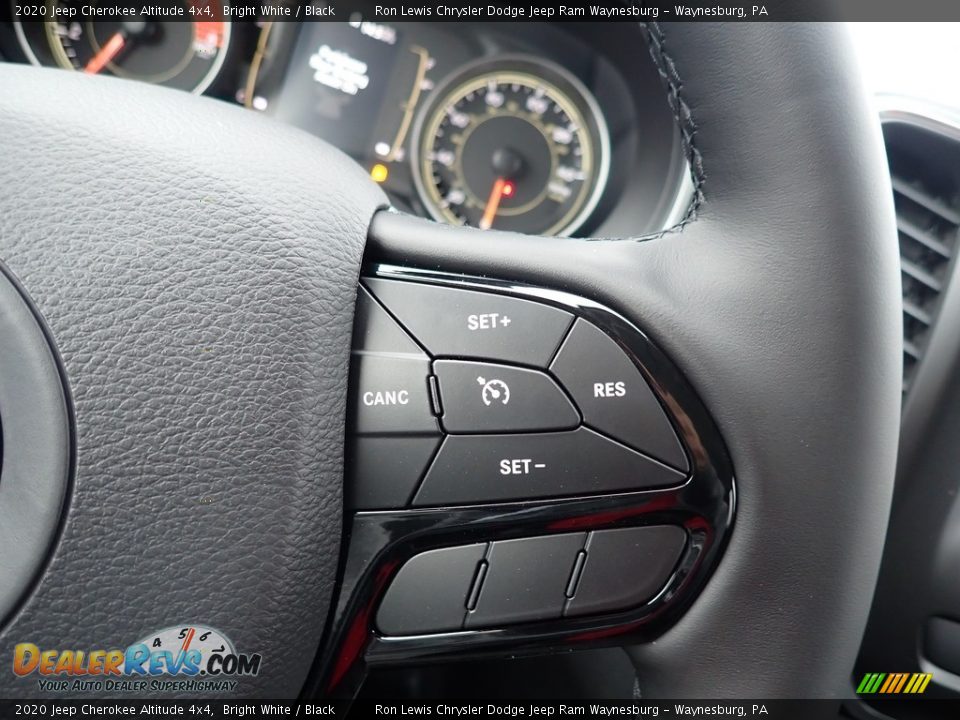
[494, 391]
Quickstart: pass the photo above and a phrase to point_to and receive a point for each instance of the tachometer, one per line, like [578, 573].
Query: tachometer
[513, 144]
[181, 54]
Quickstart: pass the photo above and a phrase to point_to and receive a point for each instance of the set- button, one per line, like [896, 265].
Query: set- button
[475, 468]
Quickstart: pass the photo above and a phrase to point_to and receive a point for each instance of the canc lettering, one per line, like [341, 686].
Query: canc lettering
[386, 397]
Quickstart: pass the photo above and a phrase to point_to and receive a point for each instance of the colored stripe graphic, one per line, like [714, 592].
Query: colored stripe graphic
[891, 679]
[894, 683]
[903, 681]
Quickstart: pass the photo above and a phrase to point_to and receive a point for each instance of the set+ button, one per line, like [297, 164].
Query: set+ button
[463, 323]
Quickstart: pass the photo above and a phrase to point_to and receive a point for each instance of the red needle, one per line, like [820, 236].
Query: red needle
[500, 188]
[106, 53]
[187, 639]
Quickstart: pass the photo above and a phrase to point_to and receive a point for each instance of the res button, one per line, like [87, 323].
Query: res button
[613, 396]
[465, 323]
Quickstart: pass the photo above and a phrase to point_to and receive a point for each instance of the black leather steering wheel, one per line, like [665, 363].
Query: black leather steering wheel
[195, 268]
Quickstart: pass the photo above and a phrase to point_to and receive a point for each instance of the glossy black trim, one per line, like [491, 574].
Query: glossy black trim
[378, 543]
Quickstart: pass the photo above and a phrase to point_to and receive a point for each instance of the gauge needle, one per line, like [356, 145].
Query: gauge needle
[106, 53]
[493, 203]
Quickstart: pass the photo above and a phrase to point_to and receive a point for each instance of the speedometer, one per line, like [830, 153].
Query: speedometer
[512, 144]
[181, 54]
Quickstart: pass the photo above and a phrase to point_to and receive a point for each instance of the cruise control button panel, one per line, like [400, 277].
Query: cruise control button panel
[524, 469]
[500, 399]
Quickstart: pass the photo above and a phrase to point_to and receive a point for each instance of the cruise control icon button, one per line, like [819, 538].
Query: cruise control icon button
[494, 391]
[482, 397]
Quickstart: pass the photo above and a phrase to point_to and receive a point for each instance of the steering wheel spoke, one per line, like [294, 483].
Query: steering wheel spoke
[198, 300]
[484, 518]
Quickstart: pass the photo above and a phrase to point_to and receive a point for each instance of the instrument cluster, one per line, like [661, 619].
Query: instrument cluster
[556, 129]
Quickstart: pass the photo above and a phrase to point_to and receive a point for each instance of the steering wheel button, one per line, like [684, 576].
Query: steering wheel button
[391, 395]
[526, 580]
[429, 594]
[489, 468]
[385, 470]
[613, 396]
[465, 323]
[625, 568]
[375, 331]
[482, 397]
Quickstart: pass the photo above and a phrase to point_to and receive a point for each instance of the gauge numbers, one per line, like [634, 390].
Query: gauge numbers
[515, 144]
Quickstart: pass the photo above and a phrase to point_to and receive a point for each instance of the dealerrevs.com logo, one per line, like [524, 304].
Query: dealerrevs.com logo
[187, 658]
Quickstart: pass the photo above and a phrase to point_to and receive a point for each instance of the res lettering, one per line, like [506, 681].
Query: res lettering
[609, 389]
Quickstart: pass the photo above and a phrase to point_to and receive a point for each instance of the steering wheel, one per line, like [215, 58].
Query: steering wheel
[179, 282]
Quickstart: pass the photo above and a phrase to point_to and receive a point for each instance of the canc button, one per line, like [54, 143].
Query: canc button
[613, 396]
[388, 376]
[391, 394]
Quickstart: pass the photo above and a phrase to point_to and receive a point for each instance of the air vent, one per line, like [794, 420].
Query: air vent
[926, 185]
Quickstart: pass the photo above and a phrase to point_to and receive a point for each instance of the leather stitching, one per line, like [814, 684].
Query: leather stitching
[683, 115]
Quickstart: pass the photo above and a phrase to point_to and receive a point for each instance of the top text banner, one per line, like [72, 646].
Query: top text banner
[497, 10]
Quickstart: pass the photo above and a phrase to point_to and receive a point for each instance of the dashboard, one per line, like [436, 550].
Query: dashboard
[553, 129]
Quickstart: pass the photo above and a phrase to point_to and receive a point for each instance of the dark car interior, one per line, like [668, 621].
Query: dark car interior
[478, 359]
